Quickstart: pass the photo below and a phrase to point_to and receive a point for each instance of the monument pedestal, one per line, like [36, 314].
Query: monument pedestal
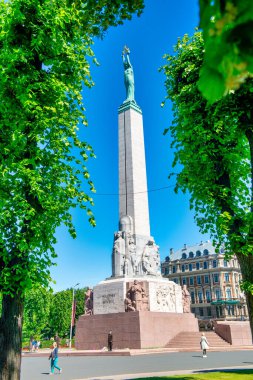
[133, 330]
[153, 293]
[154, 318]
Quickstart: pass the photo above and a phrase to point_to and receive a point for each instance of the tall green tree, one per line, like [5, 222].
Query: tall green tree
[228, 38]
[61, 311]
[36, 312]
[44, 51]
[214, 155]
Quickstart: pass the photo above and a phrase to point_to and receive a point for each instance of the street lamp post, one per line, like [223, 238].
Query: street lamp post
[72, 313]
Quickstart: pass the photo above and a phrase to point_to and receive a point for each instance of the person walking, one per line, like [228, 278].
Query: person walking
[204, 345]
[54, 359]
[110, 340]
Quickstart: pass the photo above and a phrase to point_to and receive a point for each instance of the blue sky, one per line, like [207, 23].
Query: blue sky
[87, 259]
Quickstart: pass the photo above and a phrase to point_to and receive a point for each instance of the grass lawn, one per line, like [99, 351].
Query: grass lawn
[246, 374]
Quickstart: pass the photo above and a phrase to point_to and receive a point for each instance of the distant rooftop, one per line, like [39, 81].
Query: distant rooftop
[197, 250]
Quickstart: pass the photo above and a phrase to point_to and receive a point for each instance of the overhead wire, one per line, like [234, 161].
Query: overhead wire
[138, 192]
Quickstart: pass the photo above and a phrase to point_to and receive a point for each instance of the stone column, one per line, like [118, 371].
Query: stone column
[133, 198]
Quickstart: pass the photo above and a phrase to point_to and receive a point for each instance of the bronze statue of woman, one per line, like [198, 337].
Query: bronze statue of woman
[128, 75]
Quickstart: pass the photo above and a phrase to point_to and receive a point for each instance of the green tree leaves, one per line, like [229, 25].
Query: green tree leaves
[228, 43]
[213, 152]
[46, 314]
[44, 53]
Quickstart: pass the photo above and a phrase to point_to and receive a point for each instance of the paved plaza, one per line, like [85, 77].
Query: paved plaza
[129, 367]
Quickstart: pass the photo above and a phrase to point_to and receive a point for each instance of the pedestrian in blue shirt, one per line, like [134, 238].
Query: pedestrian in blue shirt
[54, 359]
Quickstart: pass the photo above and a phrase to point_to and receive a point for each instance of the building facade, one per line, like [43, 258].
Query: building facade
[212, 281]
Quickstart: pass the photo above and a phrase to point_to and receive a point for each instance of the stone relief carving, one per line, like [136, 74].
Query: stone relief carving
[186, 299]
[151, 259]
[166, 297]
[137, 296]
[89, 302]
[134, 256]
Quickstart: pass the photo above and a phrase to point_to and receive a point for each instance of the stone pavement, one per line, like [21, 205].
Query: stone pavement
[127, 351]
[110, 367]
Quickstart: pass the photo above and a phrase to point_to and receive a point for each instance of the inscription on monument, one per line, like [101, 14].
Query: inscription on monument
[108, 298]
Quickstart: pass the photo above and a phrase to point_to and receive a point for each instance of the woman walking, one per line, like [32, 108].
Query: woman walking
[204, 344]
[54, 359]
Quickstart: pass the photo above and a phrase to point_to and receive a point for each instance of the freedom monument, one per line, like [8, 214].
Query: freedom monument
[136, 303]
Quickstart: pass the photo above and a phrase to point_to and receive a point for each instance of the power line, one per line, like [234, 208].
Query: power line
[138, 192]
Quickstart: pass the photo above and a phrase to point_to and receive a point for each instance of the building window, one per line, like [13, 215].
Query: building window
[198, 254]
[205, 265]
[209, 312]
[208, 296]
[228, 293]
[174, 269]
[214, 263]
[166, 271]
[206, 252]
[217, 294]
[198, 280]
[191, 281]
[215, 277]
[226, 276]
[190, 267]
[184, 281]
[192, 297]
[175, 280]
[201, 312]
[200, 296]
[230, 309]
[225, 263]
[197, 266]
[191, 255]
[183, 268]
[184, 256]
[206, 279]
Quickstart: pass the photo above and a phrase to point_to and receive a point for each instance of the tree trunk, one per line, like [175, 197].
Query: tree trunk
[246, 264]
[11, 337]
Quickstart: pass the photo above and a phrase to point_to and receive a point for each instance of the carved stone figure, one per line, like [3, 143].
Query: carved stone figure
[136, 298]
[151, 259]
[89, 302]
[128, 75]
[186, 298]
[118, 254]
[129, 305]
[133, 255]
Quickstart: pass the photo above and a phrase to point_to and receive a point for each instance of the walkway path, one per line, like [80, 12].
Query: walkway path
[130, 367]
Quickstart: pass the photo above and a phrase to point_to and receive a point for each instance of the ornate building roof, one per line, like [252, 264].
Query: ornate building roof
[193, 251]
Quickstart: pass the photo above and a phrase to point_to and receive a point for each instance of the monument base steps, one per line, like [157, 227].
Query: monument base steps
[190, 341]
[133, 330]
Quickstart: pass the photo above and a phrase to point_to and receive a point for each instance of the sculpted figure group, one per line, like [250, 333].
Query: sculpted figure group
[136, 298]
[131, 260]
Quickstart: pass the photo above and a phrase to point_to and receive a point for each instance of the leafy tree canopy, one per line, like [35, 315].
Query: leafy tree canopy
[36, 312]
[228, 35]
[44, 51]
[214, 155]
